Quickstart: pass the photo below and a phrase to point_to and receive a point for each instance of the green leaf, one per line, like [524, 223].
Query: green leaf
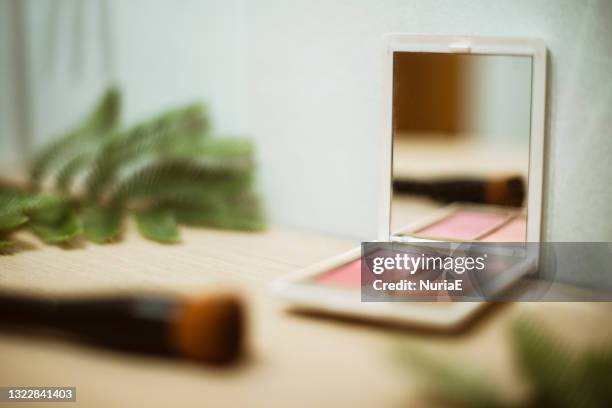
[11, 215]
[223, 150]
[10, 201]
[51, 218]
[158, 225]
[179, 178]
[244, 212]
[594, 376]
[6, 244]
[71, 169]
[239, 212]
[169, 162]
[548, 366]
[456, 385]
[227, 148]
[102, 224]
[107, 113]
[50, 153]
[59, 231]
[47, 208]
[103, 117]
[10, 221]
[11, 210]
[150, 138]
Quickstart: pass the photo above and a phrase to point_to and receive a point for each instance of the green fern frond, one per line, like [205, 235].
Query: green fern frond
[453, 385]
[52, 218]
[243, 212]
[72, 167]
[238, 212]
[102, 225]
[16, 207]
[4, 244]
[166, 169]
[221, 149]
[159, 225]
[104, 117]
[60, 231]
[9, 221]
[557, 377]
[142, 141]
[220, 155]
[595, 376]
[179, 179]
[547, 364]
[11, 212]
[46, 208]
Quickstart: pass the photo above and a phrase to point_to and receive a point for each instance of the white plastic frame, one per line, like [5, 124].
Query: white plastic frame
[298, 289]
[453, 44]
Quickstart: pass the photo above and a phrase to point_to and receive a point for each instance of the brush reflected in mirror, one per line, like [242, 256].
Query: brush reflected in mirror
[461, 132]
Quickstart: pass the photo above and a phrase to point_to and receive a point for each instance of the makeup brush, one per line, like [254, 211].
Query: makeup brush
[509, 191]
[207, 329]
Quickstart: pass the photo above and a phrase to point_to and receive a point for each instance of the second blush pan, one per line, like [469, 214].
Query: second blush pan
[464, 225]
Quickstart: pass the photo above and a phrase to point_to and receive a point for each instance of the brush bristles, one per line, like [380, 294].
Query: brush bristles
[210, 329]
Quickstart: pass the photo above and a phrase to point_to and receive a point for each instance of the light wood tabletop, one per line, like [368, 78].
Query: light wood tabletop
[293, 360]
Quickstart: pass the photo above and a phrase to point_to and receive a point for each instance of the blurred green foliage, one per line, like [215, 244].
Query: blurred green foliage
[555, 375]
[167, 171]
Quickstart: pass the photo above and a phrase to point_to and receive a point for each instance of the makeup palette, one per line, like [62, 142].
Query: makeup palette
[476, 178]
[464, 222]
[345, 276]
[455, 223]
[335, 287]
[349, 276]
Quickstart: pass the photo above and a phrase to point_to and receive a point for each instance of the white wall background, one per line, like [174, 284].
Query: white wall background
[162, 53]
[303, 78]
[315, 77]
[8, 145]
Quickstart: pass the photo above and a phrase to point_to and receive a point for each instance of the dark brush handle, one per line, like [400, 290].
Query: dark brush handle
[508, 191]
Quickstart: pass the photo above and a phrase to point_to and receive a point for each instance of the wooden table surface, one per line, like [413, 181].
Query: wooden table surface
[294, 360]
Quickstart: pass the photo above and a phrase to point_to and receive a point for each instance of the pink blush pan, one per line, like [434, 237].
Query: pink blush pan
[460, 225]
[347, 275]
[464, 225]
[513, 231]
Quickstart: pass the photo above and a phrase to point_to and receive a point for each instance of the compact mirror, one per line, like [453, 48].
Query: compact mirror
[462, 154]
[463, 145]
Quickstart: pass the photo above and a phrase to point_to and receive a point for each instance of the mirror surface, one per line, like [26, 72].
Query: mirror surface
[461, 131]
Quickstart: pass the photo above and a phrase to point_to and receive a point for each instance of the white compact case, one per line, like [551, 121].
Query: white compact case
[304, 290]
